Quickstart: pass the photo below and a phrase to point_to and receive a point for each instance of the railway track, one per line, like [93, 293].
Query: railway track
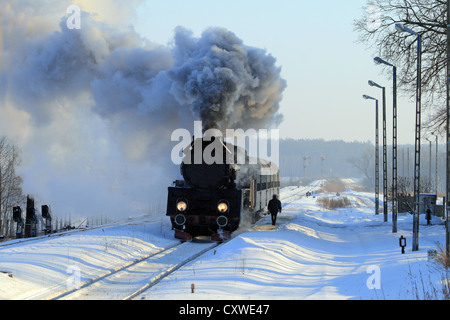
[301, 191]
[134, 278]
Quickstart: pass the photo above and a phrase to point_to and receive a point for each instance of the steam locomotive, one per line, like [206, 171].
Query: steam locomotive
[215, 197]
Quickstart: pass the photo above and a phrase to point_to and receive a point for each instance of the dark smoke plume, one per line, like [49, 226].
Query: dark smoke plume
[226, 84]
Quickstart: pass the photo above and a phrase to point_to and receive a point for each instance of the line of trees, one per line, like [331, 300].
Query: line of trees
[304, 160]
[301, 162]
[10, 183]
[432, 181]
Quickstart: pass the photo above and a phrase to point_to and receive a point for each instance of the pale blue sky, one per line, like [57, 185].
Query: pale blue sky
[325, 68]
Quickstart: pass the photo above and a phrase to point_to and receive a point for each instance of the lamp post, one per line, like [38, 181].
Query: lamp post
[373, 84]
[377, 158]
[447, 178]
[378, 60]
[402, 28]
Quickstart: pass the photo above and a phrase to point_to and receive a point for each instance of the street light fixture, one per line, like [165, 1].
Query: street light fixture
[402, 28]
[374, 84]
[378, 60]
[377, 157]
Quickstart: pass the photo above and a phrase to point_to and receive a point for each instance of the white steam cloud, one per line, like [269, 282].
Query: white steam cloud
[95, 107]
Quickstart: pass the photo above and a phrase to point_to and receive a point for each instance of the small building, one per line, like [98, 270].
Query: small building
[427, 202]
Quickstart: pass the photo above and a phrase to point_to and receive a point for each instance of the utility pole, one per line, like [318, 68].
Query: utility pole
[304, 165]
[373, 84]
[402, 28]
[394, 153]
[429, 164]
[408, 161]
[436, 165]
[447, 222]
[378, 60]
[377, 157]
[377, 162]
[417, 147]
[323, 158]
[385, 209]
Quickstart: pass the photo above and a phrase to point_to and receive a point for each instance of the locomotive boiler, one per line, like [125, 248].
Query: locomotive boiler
[219, 193]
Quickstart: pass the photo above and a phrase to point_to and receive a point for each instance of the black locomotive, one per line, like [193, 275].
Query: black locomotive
[216, 197]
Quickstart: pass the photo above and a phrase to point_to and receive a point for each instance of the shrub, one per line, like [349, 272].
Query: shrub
[334, 203]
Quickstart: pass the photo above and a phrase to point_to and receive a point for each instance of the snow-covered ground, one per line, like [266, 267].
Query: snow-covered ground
[312, 253]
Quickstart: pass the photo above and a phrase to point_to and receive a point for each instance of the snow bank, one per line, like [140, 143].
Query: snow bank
[38, 268]
[312, 253]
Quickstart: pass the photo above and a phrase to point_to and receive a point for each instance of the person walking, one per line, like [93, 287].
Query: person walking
[274, 206]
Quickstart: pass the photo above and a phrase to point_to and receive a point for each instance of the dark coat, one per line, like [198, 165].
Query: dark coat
[274, 206]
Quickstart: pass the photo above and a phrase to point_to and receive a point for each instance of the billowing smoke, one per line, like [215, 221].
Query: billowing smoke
[95, 107]
[227, 84]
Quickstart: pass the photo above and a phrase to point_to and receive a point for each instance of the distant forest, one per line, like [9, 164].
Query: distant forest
[312, 158]
[305, 160]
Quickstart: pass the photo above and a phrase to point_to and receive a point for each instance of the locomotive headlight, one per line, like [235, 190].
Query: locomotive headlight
[222, 207]
[181, 206]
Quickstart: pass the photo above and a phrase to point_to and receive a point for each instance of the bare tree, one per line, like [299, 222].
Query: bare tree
[10, 182]
[428, 17]
[365, 165]
[405, 192]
